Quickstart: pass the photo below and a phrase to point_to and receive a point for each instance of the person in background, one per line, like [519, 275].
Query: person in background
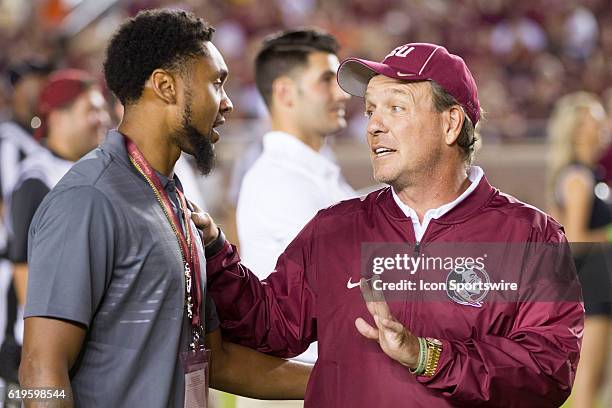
[577, 135]
[295, 73]
[74, 118]
[604, 165]
[24, 80]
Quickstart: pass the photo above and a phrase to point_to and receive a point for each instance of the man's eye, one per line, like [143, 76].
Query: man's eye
[396, 108]
[367, 113]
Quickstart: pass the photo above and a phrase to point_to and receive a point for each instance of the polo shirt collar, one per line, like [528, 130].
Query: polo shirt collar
[475, 175]
[115, 144]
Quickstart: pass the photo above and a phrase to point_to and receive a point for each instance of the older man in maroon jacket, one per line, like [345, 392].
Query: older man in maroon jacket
[500, 327]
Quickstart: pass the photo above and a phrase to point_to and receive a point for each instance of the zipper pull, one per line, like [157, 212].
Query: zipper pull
[417, 248]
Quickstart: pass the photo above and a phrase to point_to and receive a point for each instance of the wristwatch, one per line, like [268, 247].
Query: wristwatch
[434, 350]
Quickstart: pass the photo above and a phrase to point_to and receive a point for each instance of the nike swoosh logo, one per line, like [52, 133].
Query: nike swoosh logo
[401, 74]
[351, 285]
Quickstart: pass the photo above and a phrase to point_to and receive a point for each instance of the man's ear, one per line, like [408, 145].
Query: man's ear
[453, 123]
[164, 85]
[283, 92]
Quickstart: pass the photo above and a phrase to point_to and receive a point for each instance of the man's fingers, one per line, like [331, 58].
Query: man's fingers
[391, 324]
[377, 295]
[366, 290]
[201, 220]
[195, 207]
[381, 307]
[365, 329]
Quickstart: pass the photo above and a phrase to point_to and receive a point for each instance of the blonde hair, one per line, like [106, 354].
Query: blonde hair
[568, 114]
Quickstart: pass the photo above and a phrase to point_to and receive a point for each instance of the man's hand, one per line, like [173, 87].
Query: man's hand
[205, 223]
[394, 339]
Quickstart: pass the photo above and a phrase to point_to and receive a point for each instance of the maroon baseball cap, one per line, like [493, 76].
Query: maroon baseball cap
[62, 88]
[416, 62]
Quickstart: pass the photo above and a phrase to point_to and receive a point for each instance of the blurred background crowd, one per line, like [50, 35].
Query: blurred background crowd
[524, 54]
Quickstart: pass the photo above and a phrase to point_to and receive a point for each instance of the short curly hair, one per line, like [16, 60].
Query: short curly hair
[153, 39]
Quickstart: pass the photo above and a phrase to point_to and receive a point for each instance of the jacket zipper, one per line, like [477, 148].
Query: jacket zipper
[417, 252]
[417, 249]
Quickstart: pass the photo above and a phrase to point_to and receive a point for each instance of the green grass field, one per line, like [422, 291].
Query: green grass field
[229, 401]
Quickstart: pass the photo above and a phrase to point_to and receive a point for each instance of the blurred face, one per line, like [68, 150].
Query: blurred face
[205, 105]
[85, 121]
[25, 97]
[320, 103]
[589, 141]
[404, 131]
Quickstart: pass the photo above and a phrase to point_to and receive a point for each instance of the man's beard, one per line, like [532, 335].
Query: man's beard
[197, 144]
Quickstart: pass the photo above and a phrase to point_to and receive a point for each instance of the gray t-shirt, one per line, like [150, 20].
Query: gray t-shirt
[101, 253]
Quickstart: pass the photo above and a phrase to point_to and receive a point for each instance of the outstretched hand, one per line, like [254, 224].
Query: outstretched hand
[394, 339]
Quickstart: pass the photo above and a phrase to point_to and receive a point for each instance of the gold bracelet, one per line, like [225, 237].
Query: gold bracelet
[434, 350]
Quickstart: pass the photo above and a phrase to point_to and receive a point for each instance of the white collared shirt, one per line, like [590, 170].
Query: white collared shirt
[280, 193]
[475, 174]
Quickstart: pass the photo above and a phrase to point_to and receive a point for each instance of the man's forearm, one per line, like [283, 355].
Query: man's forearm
[50, 348]
[35, 375]
[246, 372]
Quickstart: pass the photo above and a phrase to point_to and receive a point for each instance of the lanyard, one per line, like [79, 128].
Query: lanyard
[189, 253]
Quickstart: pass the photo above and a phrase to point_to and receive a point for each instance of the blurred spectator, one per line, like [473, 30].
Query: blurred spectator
[291, 179]
[574, 36]
[577, 129]
[74, 119]
[24, 81]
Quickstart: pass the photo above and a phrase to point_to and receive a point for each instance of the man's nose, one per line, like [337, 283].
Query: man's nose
[226, 105]
[376, 124]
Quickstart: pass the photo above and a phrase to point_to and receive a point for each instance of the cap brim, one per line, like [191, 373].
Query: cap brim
[354, 75]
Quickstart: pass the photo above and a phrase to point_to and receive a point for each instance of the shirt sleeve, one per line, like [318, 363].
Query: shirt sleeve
[71, 253]
[534, 364]
[275, 316]
[24, 203]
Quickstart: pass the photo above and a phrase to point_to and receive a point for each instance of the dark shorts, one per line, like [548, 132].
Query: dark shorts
[594, 272]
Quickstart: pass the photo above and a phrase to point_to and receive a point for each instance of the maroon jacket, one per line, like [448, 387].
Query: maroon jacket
[506, 354]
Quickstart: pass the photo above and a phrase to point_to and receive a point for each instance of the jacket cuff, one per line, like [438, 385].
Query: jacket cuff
[217, 245]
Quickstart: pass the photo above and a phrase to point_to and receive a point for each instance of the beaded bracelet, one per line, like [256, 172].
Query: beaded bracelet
[420, 368]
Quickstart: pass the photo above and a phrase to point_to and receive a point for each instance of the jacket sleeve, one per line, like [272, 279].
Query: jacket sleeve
[277, 315]
[534, 364]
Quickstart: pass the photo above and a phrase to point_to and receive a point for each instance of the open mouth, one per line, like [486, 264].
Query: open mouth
[383, 151]
[218, 123]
